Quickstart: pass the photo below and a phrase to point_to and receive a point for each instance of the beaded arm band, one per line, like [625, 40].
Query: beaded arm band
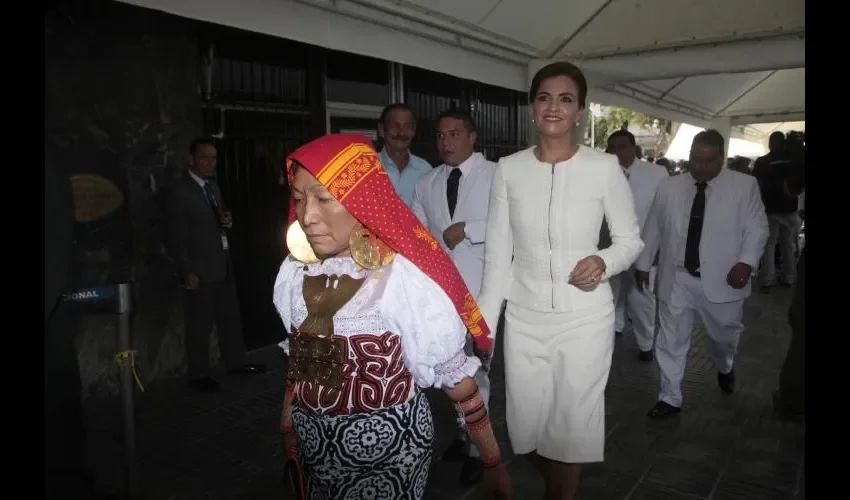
[474, 417]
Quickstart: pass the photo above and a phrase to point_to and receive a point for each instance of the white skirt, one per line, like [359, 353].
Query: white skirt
[556, 370]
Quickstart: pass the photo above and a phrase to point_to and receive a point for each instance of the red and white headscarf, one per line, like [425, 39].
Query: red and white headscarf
[348, 166]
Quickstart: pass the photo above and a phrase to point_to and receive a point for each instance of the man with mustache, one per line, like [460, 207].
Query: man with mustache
[397, 126]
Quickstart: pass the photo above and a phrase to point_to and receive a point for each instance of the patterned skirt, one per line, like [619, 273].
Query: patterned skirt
[382, 455]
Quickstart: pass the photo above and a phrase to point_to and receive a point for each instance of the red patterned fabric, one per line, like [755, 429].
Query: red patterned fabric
[348, 166]
[382, 379]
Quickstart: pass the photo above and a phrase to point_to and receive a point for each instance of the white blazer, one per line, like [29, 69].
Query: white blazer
[543, 219]
[644, 179]
[734, 230]
[431, 206]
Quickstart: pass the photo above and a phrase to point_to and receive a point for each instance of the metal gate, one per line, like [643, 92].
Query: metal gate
[500, 114]
[261, 104]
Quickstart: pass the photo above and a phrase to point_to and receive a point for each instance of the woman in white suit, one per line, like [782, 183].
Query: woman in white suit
[546, 207]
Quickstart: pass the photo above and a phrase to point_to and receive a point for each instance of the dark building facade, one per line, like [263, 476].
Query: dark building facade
[126, 90]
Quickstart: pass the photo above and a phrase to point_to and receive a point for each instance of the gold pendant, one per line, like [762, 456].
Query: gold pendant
[299, 247]
[368, 251]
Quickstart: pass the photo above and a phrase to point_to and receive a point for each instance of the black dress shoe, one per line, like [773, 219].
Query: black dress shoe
[645, 356]
[726, 381]
[456, 452]
[471, 472]
[204, 384]
[249, 369]
[663, 410]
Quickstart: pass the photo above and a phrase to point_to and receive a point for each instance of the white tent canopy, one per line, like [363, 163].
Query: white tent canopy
[696, 61]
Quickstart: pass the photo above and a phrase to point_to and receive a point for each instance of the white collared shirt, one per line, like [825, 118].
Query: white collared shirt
[464, 167]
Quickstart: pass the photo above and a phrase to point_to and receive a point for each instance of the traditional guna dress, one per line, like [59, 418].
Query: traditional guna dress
[363, 342]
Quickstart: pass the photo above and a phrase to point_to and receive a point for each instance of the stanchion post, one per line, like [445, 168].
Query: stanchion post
[127, 388]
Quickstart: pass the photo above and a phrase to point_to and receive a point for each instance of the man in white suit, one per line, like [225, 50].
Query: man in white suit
[709, 228]
[630, 301]
[451, 201]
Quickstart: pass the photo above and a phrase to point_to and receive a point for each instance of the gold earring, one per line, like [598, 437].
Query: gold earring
[299, 247]
[368, 251]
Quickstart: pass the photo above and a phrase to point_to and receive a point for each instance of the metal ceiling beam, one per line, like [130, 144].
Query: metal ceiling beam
[456, 38]
[646, 97]
[677, 45]
[418, 14]
[671, 89]
[581, 28]
[695, 73]
[650, 100]
[489, 12]
[744, 93]
[769, 117]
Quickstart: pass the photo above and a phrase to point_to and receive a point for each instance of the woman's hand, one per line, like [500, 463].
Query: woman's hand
[588, 271]
[497, 481]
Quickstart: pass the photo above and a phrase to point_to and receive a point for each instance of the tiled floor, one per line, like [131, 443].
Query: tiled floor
[226, 446]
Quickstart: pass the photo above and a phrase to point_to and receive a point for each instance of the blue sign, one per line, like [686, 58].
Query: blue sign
[94, 295]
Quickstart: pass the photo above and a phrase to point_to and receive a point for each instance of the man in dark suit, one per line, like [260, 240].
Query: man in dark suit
[198, 227]
[789, 400]
[773, 171]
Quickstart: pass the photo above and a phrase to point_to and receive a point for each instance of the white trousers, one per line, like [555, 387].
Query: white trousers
[722, 322]
[482, 378]
[636, 304]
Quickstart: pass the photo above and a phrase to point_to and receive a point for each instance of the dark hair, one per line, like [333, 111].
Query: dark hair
[390, 107]
[198, 142]
[459, 114]
[710, 137]
[740, 164]
[623, 133]
[563, 68]
[776, 140]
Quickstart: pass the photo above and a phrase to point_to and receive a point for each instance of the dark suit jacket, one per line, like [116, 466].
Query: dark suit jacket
[58, 236]
[194, 232]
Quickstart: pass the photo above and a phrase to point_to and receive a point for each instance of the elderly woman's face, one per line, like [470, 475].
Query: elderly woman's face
[326, 222]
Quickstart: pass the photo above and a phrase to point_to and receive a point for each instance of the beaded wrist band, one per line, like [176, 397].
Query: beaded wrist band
[470, 405]
[481, 432]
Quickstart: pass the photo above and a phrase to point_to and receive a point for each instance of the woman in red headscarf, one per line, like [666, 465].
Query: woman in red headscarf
[376, 312]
